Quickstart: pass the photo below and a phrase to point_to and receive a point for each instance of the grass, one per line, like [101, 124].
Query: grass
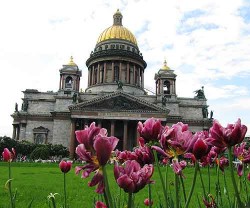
[35, 181]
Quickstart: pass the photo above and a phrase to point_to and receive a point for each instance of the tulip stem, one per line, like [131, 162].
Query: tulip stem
[109, 200]
[130, 201]
[10, 191]
[202, 183]
[193, 184]
[149, 195]
[64, 187]
[209, 179]
[177, 191]
[161, 178]
[233, 178]
[183, 189]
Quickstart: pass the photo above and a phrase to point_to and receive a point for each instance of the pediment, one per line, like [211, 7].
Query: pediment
[118, 101]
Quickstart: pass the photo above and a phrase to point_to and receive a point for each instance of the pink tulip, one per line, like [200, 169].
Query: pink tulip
[100, 204]
[87, 135]
[144, 153]
[174, 141]
[199, 145]
[222, 162]
[242, 153]
[229, 136]
[96, 156]
[8, 156]
[65, 166]
[210, 204]
[240, 169]
[178, 166]
[132, 178]
[147, 202]
[125, 155]
[150, 130]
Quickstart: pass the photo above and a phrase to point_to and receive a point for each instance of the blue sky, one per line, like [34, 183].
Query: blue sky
[205, 42]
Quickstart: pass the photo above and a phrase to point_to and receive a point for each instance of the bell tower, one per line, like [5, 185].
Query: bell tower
[70, 78]
[165, 83]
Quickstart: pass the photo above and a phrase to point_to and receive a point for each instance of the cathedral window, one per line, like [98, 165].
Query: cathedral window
[116, 71]
[95, 76]
[136, 77]
[40, 135]
[166, 87]
[101, 74]
[68, 82]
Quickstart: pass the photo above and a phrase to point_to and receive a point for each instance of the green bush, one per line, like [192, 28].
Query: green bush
[26, 148]
[40, 153]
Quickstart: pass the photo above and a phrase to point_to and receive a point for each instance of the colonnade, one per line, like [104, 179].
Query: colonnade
[128, 138]
[133, 74]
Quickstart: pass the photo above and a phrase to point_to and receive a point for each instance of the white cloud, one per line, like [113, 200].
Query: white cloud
[38, 37]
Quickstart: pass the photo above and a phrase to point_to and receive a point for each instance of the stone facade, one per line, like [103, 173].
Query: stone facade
[115, 97]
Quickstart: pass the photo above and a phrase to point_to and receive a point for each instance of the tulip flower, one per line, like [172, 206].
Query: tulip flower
[87, 135]
[242, 153]
[150, 130]
[147, 202]
[174, 141]
[65, 166]
[100, 204]
[132, 178]
[96, 154]
[122, 156]
[178, 167]
[227, 137]
[144, 153]
[248, 176]
[210, 204]
[199, 145]
[222, 162]
[8, 156]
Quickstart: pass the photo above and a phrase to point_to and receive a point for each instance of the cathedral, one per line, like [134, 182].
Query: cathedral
[115, 97]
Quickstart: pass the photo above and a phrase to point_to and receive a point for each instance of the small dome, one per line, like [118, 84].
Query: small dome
[117, 31]
[71, 62]
[165, 66]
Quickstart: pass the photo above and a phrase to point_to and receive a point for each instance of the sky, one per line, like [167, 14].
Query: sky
[206, 43]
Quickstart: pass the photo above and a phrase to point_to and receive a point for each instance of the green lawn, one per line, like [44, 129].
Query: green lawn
[35, 181]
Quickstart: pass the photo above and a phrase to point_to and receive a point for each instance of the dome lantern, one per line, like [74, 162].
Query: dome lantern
[117, 18]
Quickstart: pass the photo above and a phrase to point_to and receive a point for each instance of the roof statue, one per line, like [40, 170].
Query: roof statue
[200, 93]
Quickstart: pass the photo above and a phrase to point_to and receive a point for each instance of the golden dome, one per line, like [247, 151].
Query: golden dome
[117, 31]
[165, 66]
[71, 62]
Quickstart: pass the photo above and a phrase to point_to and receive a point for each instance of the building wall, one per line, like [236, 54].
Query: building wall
[61, 132]
[27, 132]
[40, 107]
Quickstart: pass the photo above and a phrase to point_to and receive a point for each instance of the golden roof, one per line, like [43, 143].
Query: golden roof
[165, 66]
[117, 31]
[71, 62]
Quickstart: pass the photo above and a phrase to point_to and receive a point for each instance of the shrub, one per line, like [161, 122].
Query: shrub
[41, 152]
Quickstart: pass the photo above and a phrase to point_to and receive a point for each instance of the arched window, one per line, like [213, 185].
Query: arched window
[68, 82]
[166, 87]
[116, 71]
